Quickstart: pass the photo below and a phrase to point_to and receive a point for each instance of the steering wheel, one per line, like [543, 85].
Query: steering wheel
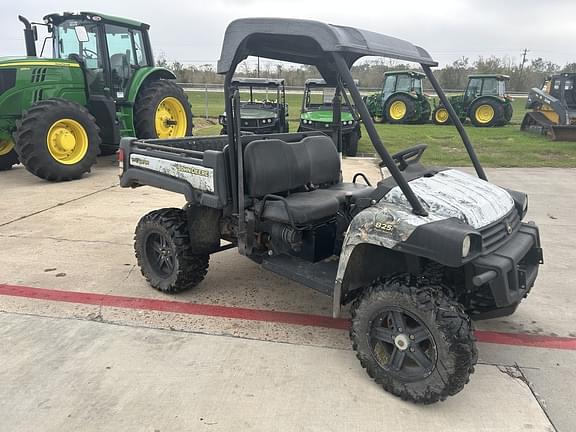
[89, 51]
[409, 156]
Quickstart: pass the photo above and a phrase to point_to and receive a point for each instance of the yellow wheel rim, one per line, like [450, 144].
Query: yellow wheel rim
[6, 147]
[441, 115]
[484, 114]
[170, 121]
[67, 141]
[398, 110]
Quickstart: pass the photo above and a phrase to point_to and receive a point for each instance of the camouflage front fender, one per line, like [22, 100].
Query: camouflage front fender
[383, 225]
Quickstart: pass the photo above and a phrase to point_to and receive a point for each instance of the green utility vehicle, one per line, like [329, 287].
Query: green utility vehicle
[57, 115]
[401, 99]
[317, 114]
[415, 255]
[485, 102]
[260, 114]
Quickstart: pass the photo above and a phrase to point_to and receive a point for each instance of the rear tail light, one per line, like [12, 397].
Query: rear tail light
[120, 156]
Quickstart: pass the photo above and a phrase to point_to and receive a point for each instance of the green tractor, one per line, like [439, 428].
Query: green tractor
[401, 99]
[484, 102]
[317, 114]
[57, 115]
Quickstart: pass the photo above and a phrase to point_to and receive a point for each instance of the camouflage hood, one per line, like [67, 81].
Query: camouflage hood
[453, 193]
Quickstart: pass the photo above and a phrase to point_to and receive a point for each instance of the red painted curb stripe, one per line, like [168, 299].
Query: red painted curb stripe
[515, 339]
[174, 306]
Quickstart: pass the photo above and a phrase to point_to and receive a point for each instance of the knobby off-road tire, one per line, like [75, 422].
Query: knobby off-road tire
[8, 155]
[350, 143]
[163, 252]
[162, 110]
[57, 140]
[480, 113]
[400, 109]
[429, 359]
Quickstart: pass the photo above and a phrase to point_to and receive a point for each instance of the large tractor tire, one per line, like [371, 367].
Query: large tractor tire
[508, 112]
[57, 140]
[440, 116]
[413, 340]
[162, 110]
[8, 156]
[400, 109]
[163, 250]
[486, 113]
[350, 143]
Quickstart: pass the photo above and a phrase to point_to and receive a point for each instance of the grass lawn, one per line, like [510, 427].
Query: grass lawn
[496, 147]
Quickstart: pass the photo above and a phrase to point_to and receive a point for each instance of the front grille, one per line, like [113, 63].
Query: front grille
[7, 79]
[499, 232]
[39, 75]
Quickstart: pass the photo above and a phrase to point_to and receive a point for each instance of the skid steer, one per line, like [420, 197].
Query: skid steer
[553, 107]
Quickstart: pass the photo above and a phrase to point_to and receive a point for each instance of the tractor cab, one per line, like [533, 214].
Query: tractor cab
[317, 113]
[402, 81]
[486, 85]
[401, 100]
[263, 105]
[110, 50]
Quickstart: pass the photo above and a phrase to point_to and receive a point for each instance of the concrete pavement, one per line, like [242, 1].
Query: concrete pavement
[78, 237]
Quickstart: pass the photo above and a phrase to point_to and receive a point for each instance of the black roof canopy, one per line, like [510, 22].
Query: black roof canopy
[259, 82]
[309, 42]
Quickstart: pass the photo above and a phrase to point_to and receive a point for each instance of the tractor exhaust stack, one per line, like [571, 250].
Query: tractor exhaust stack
[29, 37]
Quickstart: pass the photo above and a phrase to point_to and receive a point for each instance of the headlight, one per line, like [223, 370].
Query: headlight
[327, 125]
[466, 243]
[525, 207]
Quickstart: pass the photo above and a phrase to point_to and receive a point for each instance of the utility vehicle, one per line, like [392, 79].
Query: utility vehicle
[553, 108]
[317, 114]
[57, 115]
[417, 254]
[261, 116]
[401, 100]
[485, 102]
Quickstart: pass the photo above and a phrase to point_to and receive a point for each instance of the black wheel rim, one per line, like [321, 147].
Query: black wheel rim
[160, 254]
[402, 344]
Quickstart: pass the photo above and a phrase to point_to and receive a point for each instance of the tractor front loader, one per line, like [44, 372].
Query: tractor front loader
[58, 114]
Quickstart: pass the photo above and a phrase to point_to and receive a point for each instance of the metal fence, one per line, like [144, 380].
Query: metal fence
[217, 88]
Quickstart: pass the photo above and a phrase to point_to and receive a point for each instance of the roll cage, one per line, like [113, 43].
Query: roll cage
[332, 50]
[315, 83]
[263, 83]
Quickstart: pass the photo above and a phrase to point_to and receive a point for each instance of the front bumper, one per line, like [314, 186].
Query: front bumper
[516, 266]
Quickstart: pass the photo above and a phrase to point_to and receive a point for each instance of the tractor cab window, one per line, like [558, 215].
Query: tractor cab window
[69, 44]
[474, 88]
[126, 51]
[417, 85]
[404, 83]
[389, 86]
[78, 41]
[570, 94]
[490, 87]
[501, 88]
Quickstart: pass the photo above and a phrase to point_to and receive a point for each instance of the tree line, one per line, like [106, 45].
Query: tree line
[369, 73]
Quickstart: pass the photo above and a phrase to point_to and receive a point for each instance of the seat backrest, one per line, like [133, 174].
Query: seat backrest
[274, 166]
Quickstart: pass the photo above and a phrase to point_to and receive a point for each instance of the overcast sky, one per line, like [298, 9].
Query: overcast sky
[191, 31]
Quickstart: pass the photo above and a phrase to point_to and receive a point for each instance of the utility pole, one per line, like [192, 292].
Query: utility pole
[258, 70]
[523, 60]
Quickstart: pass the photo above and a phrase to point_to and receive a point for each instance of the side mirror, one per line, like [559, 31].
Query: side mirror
[81, 34]
[35, 32]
